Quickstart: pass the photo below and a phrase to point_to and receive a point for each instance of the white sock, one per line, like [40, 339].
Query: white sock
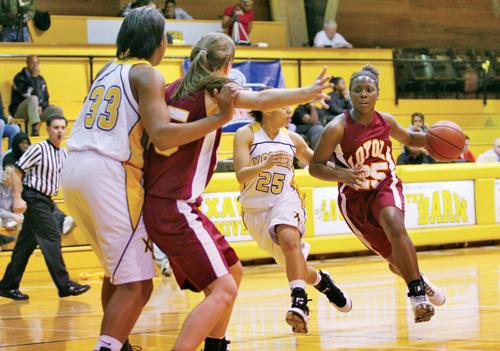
[297, 284]
[318, 279]
[109, 342]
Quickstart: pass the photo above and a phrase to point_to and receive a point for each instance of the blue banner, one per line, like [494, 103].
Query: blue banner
[254, 74]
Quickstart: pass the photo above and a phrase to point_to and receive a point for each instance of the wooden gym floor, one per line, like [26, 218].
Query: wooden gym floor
[381, 318]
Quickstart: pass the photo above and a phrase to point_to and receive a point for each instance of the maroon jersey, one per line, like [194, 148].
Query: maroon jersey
[182, 173]
[368, 146]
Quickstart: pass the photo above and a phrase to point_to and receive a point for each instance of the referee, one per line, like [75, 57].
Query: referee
[41, 166]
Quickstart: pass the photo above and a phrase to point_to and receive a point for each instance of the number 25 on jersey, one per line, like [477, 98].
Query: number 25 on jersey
[103, 108]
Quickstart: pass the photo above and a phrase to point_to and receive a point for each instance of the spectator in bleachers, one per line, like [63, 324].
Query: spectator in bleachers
[10, 220]
[7, 129]
[309, 119]
[136, 4]
[492, 155]
[418, 120]
[20, 144]
[30, 96]
[340, 100]
[172, 11]
[14, 16]
[414, 155]
[241, 13]
[467, 155]
[329, 38]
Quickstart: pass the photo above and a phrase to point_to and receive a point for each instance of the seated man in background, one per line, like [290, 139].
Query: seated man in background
[414, 155]
[136, 4]
[243, 15]
[309, 119]
[30, 96]
[7, 129]
[14, 16]
[329, 38]
[340, 100]
[10, 220]
[492, 155]
[171, 11]
[467, 155]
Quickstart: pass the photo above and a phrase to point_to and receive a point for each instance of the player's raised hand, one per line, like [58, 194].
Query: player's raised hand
[278, 158]
[315, 91]
[225, 100]
[353, 177]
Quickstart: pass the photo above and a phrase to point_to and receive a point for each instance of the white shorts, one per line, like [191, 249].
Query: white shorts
[105, 197]
[262, 224]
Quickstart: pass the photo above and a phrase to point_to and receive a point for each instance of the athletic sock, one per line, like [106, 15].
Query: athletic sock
[108, 342]
[298, 283]
[318, 279]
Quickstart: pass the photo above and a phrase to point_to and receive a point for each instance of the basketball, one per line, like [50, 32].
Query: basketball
[445, 141]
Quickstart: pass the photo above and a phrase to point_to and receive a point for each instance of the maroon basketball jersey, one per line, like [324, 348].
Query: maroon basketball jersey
[368, 146]
[183, 172]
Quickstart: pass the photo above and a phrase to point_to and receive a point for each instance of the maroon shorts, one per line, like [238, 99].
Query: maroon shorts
[197, 251]
[361, 211]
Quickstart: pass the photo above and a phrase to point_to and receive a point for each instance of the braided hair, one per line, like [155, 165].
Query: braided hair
[367, 71]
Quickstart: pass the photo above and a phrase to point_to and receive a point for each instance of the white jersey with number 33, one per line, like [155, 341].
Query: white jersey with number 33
[266, 189]
[109, 122]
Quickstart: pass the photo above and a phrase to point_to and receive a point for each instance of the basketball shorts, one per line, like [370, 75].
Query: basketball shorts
[105, 197]
[262, 224]
[198, 253]
[362, 213]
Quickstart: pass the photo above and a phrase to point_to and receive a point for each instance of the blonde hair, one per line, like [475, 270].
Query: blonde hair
[209, 55]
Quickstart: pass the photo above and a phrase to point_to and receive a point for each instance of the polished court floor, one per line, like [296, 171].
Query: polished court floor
[381, 318]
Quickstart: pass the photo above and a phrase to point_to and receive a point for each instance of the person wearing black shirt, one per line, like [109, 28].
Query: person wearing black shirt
[339, 101]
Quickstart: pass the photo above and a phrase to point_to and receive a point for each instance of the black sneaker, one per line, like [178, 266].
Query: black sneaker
[13, 294]
[337, 298]
[298, 314]
[6, 239]
[213, 344]
[127, 347]
[74, 289]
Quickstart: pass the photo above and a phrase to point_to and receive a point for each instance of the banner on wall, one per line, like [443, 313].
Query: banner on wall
[437, 204]
[497, 199]
[224, 210]
[264, 73]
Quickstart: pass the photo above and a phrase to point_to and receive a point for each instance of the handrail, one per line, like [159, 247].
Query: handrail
[299, 61]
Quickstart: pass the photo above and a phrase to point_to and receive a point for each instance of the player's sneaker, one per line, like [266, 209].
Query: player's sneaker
[337, 298]
[298, 314]
[422, 308]
[436, 296]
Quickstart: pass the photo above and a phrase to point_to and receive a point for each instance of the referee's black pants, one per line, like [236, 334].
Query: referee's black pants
[39, 228]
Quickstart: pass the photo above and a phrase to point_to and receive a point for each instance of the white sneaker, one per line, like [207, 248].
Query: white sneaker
[165, 268]
[10, 225]
[422, 308]
[436, 296]
[68, 225]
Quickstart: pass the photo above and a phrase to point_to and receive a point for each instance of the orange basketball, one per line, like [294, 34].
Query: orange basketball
[445, 141]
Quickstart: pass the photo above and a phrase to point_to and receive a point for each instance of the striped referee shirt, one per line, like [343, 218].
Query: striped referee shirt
[42, 166]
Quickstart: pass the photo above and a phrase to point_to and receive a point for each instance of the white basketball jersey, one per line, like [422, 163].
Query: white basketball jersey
[266, 189]
[109, 122]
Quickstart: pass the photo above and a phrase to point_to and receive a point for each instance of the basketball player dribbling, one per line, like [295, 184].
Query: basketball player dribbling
[102, 178]
[199, 255]
[370, 194]
[273, 208]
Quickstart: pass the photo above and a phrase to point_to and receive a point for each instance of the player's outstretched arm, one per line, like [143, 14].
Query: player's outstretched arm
[244, 167]
[403, 135]
[149, 89]
[273, 99]
[320, 168]
[303, 152]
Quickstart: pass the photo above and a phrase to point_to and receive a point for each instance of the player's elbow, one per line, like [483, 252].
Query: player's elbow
[313, 169]
[240, 178]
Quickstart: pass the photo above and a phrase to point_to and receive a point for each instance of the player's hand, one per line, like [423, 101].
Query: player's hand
[315, 91]
[278, 158]
[19, 205]
[353, 177]
[225, 100]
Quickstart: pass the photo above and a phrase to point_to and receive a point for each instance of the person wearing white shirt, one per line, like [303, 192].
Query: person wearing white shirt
[492, 155]
[329, 37]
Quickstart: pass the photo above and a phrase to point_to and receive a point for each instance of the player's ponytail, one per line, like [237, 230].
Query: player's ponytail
[208, 56]
[367, 71]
